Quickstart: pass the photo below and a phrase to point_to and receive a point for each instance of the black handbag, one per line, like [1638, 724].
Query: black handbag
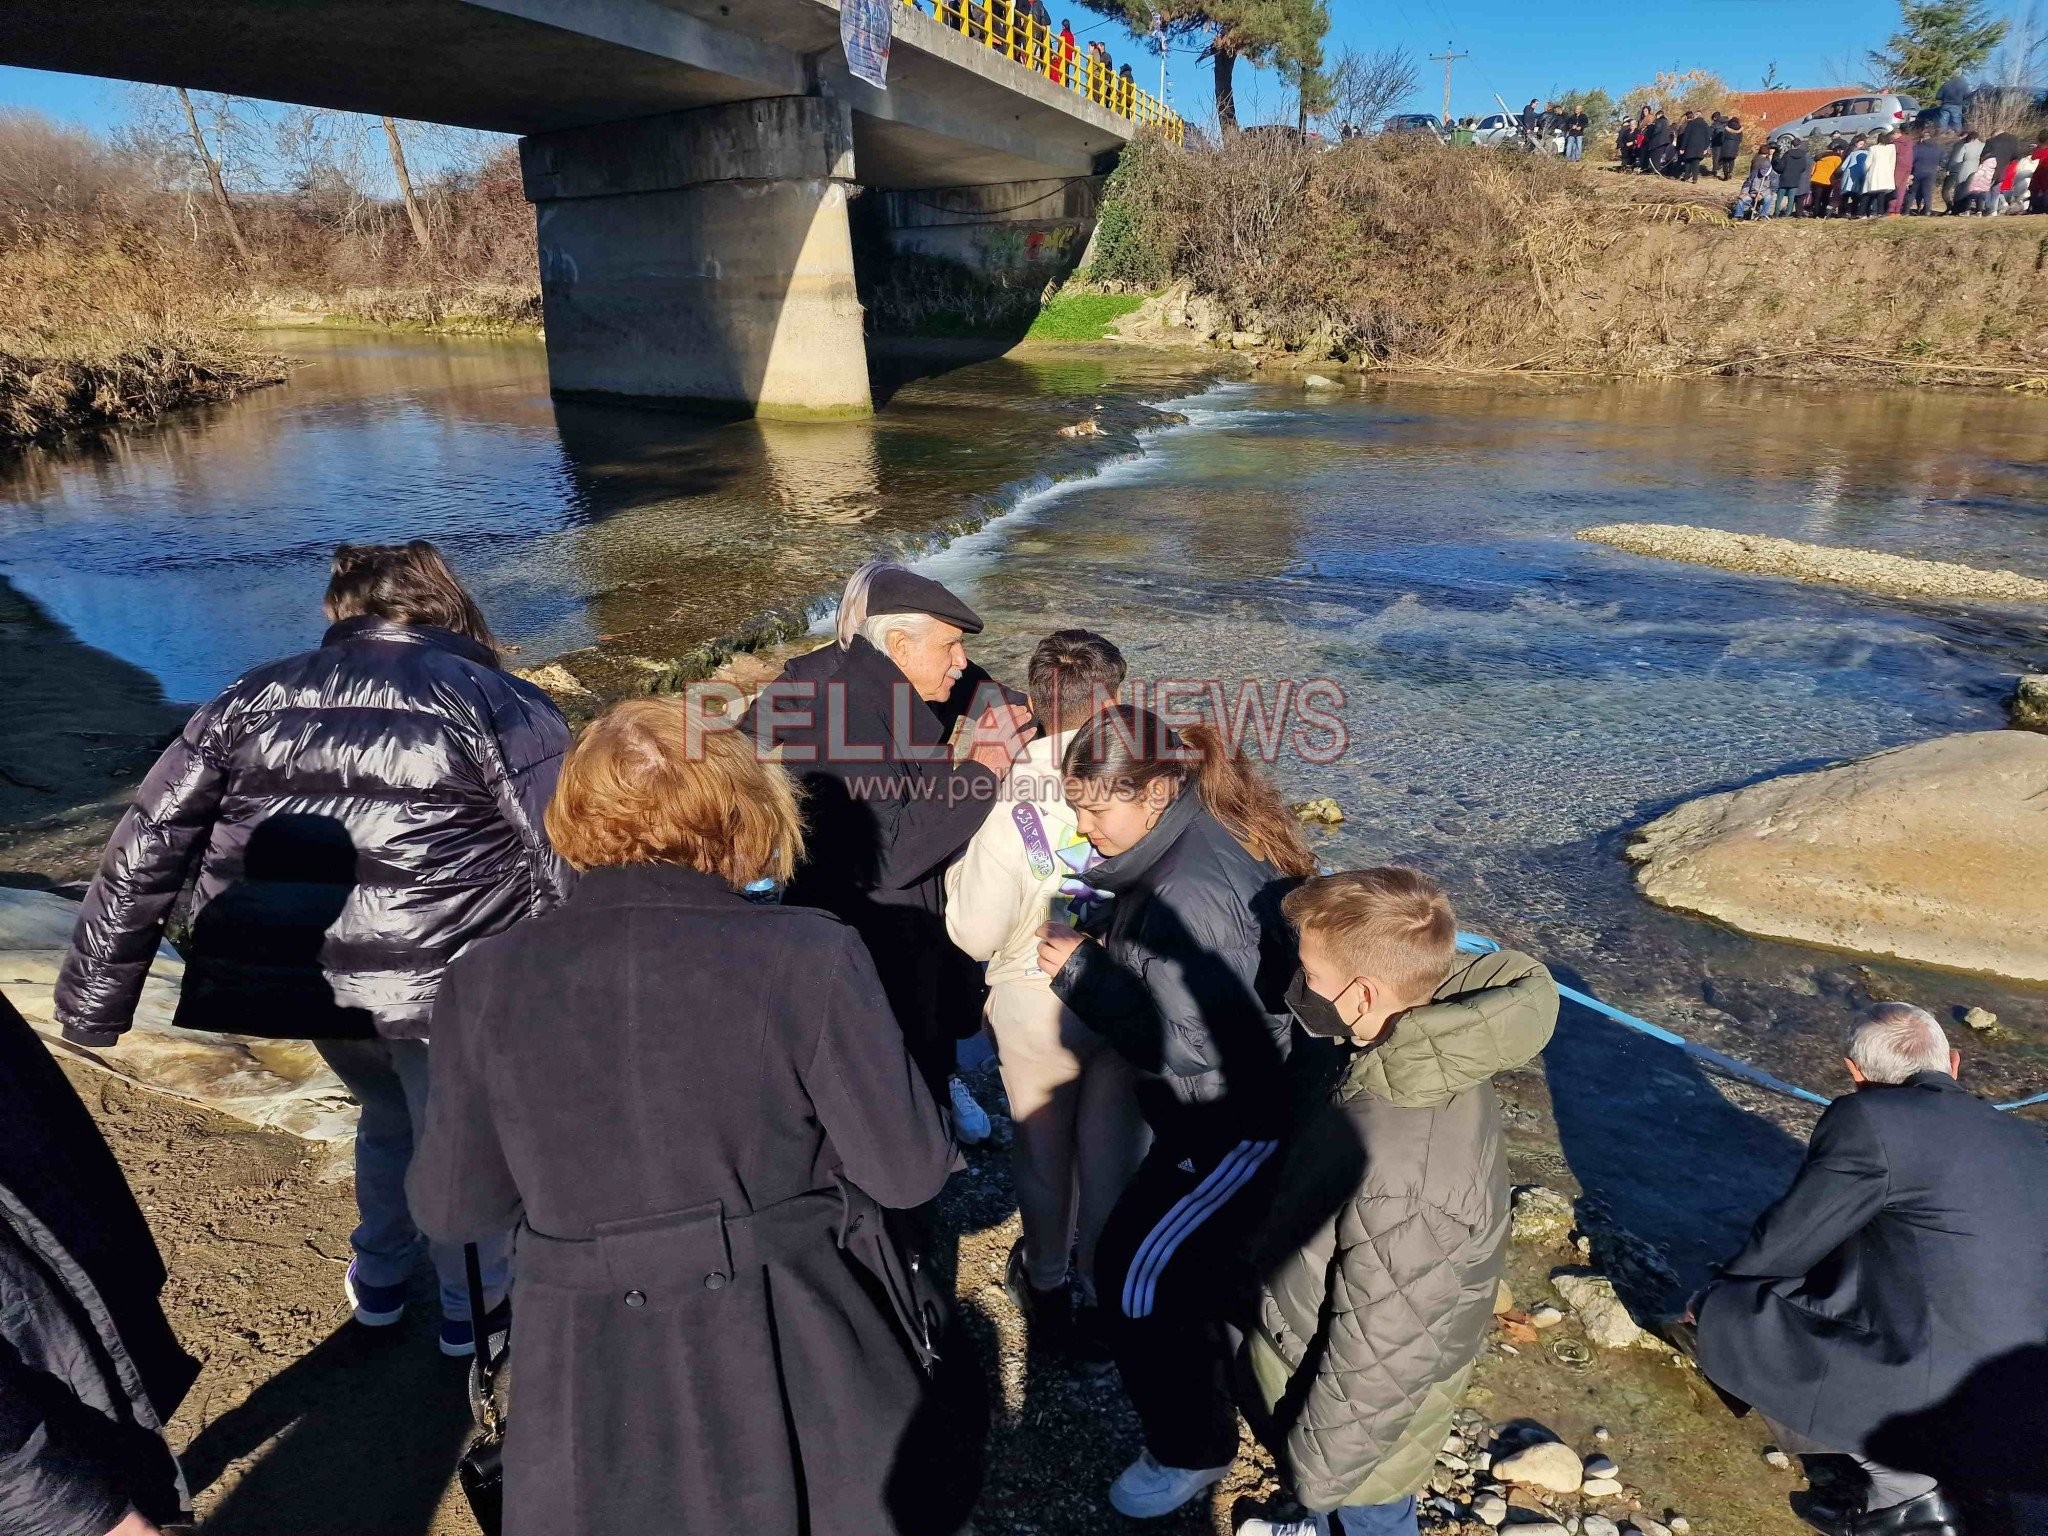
[482, 1469]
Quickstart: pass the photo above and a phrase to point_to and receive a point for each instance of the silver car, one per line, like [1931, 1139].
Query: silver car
[1879, 112]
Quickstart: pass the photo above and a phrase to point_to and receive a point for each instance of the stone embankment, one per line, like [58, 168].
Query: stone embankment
[1822, 564]
[1935, 853]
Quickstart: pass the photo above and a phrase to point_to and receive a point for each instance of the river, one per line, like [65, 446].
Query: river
[1514, 700]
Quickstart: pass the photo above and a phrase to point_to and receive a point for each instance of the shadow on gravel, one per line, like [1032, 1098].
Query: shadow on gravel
[360, 1435]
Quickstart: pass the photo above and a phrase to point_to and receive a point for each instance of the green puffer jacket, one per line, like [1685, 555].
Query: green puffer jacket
[1370, 1319]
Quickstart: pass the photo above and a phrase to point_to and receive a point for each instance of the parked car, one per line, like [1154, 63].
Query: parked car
[1414, 122]
[1497, 128]
[1877, 112]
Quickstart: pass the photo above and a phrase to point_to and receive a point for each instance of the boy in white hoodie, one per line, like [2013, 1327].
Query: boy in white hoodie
[1078, 1131]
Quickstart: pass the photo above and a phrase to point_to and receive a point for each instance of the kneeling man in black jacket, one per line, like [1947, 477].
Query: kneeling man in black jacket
[1893, 1306]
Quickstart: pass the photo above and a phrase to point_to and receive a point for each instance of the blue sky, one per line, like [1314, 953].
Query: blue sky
[1518, 48]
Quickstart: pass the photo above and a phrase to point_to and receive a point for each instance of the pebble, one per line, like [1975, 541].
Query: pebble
[1545, 1316]
[1601, 1466]
[1455, 1444]
[1548, 1464]
[1777, 1458]
[1601, 1487]
[1602, 1433]
[1455, 1462]
[1491, 1508]
[1981, 1018]
[1598, 1525]
[1503, 1300]
[1679, 1525]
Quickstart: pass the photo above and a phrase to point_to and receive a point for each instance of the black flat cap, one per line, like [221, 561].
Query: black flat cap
[899, 591]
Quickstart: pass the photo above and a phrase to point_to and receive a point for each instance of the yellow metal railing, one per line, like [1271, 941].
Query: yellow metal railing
[1004, 28]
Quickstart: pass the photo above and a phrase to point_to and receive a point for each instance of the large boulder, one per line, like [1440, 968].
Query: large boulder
[1935, 853]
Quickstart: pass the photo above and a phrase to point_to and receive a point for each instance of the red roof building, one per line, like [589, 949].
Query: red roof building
[1761, 111]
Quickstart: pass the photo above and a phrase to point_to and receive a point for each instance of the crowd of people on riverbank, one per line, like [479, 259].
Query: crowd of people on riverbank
[1919, 170]
[653, 1028]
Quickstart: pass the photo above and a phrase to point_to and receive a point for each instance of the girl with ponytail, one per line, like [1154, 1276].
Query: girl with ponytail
[1183, 974]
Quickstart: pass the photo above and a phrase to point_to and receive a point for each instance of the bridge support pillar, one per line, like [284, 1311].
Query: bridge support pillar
[702, 259]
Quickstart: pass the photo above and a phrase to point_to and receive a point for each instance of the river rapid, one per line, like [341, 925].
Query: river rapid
[1512, 701]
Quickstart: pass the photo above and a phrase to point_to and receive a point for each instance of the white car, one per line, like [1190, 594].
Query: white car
[1871, 112]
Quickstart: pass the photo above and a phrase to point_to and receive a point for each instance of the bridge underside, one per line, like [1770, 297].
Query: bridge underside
[690, 161]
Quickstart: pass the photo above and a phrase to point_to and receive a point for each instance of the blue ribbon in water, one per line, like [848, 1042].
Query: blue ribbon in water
[1477, 944]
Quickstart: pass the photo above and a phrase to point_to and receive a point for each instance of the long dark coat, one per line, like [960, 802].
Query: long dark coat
[616, 1073]
[349, 818]
[1895, 1302]
[888, 809]
[89, 1369]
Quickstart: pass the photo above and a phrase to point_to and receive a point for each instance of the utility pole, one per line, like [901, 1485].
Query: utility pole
[1447, 59]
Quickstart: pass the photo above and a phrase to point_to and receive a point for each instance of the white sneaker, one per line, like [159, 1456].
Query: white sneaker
[970, 1120]
[1316, 1525]
[1145, 1490]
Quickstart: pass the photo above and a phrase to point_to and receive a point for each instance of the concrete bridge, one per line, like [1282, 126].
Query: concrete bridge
[691, 162]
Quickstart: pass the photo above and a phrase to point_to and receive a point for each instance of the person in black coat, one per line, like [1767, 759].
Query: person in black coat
[1893, 1306]
[889, 808]
[1727, 147]
[350, 819]
[1695, 139]
[1184, 974]
[89, 1368]
[693, 1105]
[1658, 144]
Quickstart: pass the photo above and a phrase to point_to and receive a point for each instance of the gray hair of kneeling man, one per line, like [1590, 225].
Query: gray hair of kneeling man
[1894, 1040]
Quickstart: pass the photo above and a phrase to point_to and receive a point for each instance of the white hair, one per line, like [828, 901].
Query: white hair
[853, 602]
[877, 629]
[1894, 1040]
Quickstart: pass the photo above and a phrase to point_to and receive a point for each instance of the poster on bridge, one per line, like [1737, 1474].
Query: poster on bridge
[864, 34]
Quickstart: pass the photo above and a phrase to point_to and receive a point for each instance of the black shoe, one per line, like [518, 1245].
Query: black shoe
[1932, 1514]
[1048, 1314]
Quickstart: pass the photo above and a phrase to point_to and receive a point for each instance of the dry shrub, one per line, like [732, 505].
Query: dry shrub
[1381, 249]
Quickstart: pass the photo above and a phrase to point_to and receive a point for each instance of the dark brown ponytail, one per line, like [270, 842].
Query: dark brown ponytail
[1129, 748]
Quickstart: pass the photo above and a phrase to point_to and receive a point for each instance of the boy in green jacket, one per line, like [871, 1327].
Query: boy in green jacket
[1379, 1263]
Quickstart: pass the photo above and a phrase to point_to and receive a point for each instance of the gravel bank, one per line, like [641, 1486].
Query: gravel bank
[1823, 564]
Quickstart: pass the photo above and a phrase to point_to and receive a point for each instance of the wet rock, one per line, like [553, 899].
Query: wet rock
[279, 1084]
[1324, 810]
[1600, 1311]
[1542, 1215]
[1319, 381]
[1545, 1316]
[1491, 1508]
[1839, 857]
[1980, 1018]
[1089, 428]
[2028, 708]
[1548, 1464]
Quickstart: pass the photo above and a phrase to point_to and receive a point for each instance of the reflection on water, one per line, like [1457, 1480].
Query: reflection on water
[200, 548]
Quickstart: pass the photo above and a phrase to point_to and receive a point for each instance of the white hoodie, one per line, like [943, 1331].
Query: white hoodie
[1017, 872]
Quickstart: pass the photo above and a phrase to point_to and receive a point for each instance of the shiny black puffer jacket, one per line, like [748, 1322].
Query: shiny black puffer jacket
[357, 815]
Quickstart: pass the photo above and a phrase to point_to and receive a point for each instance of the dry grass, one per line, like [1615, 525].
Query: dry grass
[1398, 253]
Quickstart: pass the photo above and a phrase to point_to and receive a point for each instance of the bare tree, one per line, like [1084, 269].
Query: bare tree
[213, 176]
[1362, 87]
[413, 212]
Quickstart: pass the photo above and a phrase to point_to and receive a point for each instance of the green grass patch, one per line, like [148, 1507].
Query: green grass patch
[1081, 316]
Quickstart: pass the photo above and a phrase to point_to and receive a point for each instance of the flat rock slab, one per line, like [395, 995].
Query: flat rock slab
[1935, 853]
[278, 1084]
[1865, 570]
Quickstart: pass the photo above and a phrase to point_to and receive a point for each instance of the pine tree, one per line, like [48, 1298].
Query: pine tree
[1285, 32]
[1937, 41]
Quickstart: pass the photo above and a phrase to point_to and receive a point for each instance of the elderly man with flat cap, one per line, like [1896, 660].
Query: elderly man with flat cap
[889, 808]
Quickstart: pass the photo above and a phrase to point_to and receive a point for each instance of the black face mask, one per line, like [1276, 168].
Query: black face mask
[1314, 1012]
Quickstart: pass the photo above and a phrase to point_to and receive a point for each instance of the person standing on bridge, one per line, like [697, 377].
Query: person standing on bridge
[356, 816]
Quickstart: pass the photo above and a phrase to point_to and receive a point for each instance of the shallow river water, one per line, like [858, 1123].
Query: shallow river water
[1513, 701]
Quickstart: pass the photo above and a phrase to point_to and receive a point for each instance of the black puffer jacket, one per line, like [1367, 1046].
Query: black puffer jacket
[1189, 976]
[357, 815]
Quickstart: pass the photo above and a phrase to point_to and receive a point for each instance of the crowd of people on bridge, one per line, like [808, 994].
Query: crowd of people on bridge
[1023, 30]
[657, 1023]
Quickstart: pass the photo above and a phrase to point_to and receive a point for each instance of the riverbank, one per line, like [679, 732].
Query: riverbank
[1392, 254]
